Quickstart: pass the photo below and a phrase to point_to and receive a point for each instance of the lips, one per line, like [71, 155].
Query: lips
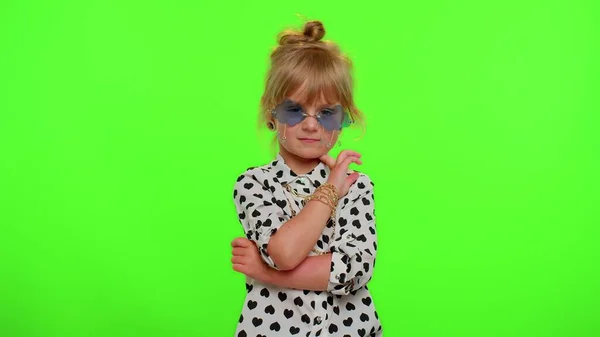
[309, 139]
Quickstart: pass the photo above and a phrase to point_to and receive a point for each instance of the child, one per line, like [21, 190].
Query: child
[310, 241]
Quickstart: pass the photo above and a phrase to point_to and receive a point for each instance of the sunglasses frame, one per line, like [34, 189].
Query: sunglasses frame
[346, 122]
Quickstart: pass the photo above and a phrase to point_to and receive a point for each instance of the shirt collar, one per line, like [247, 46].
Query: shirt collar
[283, 174]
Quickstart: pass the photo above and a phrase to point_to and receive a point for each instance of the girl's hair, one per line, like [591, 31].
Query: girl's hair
[318, 68]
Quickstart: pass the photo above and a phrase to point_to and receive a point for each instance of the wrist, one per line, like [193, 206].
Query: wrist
[323, 199]
[270, 276]
[337, 188]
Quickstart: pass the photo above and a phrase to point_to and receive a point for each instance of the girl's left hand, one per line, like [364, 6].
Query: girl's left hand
[330, 161]
[246, 260]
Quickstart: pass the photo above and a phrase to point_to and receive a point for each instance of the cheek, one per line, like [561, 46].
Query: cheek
[330, 134]
[290, 131]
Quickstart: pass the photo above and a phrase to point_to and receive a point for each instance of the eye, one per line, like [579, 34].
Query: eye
[327, 112]
[294, 109]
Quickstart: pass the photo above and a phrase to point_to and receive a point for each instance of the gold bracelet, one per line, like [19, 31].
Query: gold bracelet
[327, 194]
[331, 191]
[321, 199]
[329, 186]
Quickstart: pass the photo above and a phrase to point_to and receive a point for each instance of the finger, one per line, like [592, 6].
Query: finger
[348, 182]
[344, 154]
[238, 251]
[241, 242]
[237, 260]
[240, 268]
[328, 160]
[236, 242]
[343, 166]
[351, 179]
[340, 162]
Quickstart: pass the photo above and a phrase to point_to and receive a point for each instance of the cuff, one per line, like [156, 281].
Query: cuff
[341, 280]
[262, 241]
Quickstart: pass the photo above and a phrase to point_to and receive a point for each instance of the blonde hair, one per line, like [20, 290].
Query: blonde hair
[302, 61]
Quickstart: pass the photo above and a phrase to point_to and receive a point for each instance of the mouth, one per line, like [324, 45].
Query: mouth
[309, 140]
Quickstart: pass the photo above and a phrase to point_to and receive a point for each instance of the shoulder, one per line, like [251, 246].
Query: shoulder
[363, 185]
[361, 188]
[254, 177]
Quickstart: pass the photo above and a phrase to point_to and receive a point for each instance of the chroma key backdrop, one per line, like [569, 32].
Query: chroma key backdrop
[125, 124]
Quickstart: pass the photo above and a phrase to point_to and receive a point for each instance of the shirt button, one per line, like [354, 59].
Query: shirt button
[337, 277]
[318, 320]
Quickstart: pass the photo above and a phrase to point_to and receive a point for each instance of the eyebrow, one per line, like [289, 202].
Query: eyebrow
[332, 105]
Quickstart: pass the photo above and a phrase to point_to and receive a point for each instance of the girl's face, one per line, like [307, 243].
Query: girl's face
[308, 131]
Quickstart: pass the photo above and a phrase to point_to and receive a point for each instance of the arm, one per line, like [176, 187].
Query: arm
[291, 245]
[282, 242]
[311, 274]
[285, 243]
[294, 240]
[353, 252]
[347, 268]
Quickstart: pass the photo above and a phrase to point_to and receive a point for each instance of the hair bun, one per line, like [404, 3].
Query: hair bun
[313, 32]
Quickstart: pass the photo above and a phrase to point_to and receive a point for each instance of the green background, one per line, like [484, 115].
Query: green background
[124, 125]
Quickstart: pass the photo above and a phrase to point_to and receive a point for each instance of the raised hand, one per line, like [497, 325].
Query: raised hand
[339, 170]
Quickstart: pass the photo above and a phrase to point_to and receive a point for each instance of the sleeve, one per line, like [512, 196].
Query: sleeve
[353, 252]
[259, 212]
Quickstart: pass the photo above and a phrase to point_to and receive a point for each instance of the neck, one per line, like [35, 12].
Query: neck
[298, 164]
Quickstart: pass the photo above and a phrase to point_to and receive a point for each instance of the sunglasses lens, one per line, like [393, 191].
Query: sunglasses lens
[289, 113]
[332, 119]
[347, 120]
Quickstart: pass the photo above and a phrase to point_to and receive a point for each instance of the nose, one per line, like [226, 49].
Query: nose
[310, 123]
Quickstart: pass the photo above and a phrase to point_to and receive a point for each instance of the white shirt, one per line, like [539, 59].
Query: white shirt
[346, 308]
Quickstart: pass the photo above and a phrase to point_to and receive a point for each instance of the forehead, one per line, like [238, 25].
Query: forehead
[315, 97]
[316, 103]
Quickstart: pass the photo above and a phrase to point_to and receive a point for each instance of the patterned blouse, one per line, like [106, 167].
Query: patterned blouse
[263, 204]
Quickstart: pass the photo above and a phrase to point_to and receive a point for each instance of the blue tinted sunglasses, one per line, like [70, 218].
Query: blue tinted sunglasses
[331, 118]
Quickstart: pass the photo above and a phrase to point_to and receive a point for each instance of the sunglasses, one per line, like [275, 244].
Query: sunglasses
[331, 118]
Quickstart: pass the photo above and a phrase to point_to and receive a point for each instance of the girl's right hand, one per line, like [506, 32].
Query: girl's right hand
[338, 176]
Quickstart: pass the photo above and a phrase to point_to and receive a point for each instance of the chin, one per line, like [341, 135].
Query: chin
[309, 153]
